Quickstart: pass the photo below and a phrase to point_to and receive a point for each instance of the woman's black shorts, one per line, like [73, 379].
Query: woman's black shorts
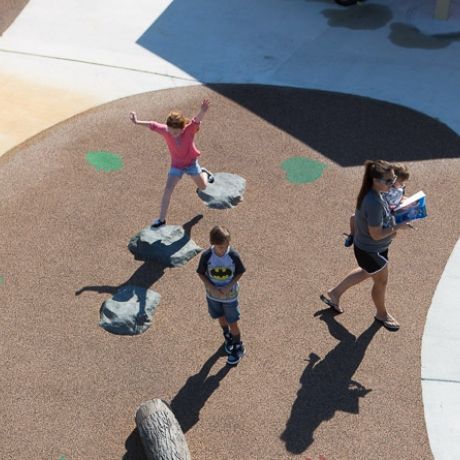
[371, 262]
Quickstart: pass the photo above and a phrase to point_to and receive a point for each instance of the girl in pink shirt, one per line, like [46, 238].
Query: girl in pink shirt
[179, 134]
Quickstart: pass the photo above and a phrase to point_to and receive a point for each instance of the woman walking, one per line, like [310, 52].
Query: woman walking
[374, 231]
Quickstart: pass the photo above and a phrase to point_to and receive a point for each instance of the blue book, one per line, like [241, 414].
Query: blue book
[412, 208]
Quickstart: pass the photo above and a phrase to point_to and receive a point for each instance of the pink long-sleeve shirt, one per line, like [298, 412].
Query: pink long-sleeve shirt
[182, 148]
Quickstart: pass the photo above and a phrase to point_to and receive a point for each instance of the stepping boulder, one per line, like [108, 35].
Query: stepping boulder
[160, 432]
[169, 245]
[129, 311]
[225, 192]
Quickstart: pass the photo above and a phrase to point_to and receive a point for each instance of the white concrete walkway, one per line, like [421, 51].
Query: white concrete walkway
[60, 58]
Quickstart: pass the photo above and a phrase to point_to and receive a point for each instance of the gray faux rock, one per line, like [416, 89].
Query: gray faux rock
[129, 311]
[160, 432]
[225, 192]
[168, 245]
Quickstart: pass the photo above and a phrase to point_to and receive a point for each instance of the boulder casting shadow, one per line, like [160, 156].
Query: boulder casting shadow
[225, 192]
[169, 245]
[129, 311]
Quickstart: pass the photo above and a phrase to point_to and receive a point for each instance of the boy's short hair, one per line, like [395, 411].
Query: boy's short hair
[219, 235]
[401, 171]
[176, 120]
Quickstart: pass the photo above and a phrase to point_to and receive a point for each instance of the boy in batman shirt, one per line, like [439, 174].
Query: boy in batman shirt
[220, 268]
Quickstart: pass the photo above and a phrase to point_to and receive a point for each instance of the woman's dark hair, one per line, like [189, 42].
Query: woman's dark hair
[374, 169]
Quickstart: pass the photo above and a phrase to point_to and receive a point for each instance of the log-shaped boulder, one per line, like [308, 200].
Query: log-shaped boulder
[160, 432]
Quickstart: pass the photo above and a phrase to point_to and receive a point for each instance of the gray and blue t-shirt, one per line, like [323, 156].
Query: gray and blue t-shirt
[374, 212]
[220, 271]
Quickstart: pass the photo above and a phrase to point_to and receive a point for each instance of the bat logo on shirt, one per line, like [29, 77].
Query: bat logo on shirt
[220, 273]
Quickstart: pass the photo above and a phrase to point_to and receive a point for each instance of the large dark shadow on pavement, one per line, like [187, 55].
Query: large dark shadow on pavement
[327, 384]
[9, 11]
[347, 129]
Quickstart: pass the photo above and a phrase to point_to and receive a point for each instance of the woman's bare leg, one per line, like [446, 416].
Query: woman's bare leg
[378, 293]
[356, 276]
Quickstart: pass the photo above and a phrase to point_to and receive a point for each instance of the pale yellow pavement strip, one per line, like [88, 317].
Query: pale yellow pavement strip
[27, 108]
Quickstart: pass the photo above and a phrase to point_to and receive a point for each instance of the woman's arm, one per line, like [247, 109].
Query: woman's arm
[379, 233]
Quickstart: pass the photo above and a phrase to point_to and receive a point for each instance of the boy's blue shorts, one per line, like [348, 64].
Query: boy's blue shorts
[193, 169]
[230, 310]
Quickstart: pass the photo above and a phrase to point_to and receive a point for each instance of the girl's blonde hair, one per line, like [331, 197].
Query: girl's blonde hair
[176, 120]
[401, 171]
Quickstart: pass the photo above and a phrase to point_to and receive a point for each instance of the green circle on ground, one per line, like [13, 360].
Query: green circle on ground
[302, 170]
[104, 161]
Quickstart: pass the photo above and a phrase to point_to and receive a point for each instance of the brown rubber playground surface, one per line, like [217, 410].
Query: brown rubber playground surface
[312, 383]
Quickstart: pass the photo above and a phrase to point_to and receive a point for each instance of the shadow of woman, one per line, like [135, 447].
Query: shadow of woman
[327, 384]
[186, 405]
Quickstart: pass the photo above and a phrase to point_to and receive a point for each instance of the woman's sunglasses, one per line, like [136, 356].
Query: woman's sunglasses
[388, 181]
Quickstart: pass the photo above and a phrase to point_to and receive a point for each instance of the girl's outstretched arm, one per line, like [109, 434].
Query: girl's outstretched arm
[133, 118]
[204, 108]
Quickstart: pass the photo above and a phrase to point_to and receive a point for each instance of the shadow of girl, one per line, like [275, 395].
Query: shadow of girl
[327, 384]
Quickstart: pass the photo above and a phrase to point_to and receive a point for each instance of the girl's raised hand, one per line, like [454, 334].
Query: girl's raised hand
[205, 104]
[133, 117]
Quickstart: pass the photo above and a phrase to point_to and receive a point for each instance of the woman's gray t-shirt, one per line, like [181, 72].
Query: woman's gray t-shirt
[374, 212]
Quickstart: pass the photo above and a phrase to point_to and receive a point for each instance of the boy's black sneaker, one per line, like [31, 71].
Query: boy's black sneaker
[228, 344]
[157, 223]
[238, 351]
[209, 174]
[348, 241]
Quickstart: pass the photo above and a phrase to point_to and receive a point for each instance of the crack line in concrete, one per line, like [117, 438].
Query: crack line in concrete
[111, 66]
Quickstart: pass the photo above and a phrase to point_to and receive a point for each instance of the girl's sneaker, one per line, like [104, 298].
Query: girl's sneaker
[238, 351]
[209, 174]
[157, 223]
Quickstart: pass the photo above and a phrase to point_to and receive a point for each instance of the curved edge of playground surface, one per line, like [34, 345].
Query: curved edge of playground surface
[440, 356]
